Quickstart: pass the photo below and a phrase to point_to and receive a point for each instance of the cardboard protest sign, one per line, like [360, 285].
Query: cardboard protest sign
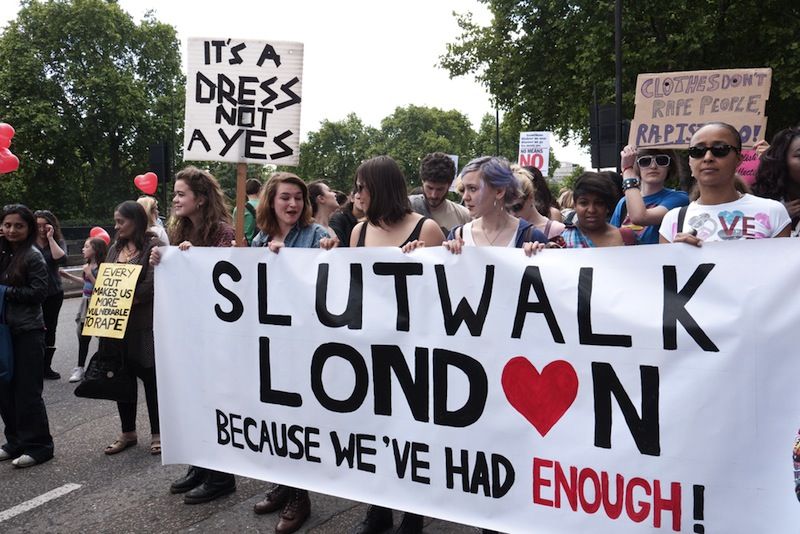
[111, 300]
[243, 101]
[749, 166]
[534, 150]
[616, 390]
[671, 106]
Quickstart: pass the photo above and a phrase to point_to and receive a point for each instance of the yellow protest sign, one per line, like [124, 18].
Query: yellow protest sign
[112, 297]
[671, 106]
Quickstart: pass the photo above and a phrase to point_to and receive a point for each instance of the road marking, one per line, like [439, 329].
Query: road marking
[37, 501]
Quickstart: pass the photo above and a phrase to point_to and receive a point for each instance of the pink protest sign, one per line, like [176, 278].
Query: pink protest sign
[749, 166]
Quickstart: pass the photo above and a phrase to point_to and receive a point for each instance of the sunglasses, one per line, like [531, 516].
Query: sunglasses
[718, 151]
[662, 160]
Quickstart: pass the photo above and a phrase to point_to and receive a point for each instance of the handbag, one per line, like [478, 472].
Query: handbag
[6, 347]
[106, 376]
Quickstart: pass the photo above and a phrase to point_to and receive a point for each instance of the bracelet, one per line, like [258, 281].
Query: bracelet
[631, 183]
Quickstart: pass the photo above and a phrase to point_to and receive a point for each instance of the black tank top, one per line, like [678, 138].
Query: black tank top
[412, 237]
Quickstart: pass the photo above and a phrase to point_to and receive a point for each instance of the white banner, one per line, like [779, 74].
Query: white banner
[534, 150]
[620, 390]
[243, 101]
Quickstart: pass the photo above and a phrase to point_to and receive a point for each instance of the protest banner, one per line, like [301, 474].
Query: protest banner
[243, 101]
[617, 390]
[748, 168]
[534, 150]
[111, 300]
[671, 106]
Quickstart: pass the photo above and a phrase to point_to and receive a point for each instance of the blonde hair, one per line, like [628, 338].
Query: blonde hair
[150, 205]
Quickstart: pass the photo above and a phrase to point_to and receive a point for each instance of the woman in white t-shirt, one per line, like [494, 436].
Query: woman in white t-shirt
[721, 213]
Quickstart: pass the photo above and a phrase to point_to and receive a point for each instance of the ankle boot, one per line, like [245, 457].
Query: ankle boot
[275, 499]
[193, 478]
[214, 486]
[295, 512]
[377, 520]
[410, 524]
[49, 374]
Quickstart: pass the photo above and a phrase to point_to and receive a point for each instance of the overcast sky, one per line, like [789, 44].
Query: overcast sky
[360, 56]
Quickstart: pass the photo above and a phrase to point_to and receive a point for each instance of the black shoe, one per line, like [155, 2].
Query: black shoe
[410, 524]
[49, 374]
[377, 520]
[214, 486]
[193, 478]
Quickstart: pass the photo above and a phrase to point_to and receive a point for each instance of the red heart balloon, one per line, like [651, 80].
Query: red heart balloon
[8, 161]
[6, 130]
[147, 183]
[96, 231]
[5, 142]
[542, 398]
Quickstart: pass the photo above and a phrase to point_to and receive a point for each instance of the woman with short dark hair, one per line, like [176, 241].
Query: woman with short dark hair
[594, 196]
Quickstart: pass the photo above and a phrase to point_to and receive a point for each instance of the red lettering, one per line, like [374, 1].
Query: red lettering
[673, 504]
[525, 160]
[570, 488]
[643, 510]
[748, 229]
[589, 474]
[613, 510]
[728, 229]
[538, 481]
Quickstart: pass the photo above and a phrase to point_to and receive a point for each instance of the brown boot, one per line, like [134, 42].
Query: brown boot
[295, 513]
[274, 500]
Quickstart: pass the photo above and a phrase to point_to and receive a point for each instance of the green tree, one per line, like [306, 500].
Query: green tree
[333, 152]
[88, 90]
[541, 59]
[410, 133]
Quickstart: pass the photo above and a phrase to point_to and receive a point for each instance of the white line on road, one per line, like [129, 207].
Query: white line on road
[37, 501]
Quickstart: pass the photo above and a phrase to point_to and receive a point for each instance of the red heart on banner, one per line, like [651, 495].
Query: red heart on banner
[96, 231]
[5, 142]
[147, 182]
[542, 398]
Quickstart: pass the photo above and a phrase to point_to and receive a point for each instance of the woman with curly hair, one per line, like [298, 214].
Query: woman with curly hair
[200, 214]
[778, 175]
[200, 217]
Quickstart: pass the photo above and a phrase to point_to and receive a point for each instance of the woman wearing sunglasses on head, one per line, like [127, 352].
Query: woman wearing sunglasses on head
[721, 213]
[646, 200]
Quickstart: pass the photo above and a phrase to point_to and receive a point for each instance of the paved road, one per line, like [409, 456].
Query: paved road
[128, 492]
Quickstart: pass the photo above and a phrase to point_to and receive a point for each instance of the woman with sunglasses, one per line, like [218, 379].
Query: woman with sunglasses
[525, 207]
[778, 175]
[646, 200]
[721, 213]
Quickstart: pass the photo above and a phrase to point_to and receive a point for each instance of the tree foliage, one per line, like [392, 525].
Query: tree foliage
[334, 152]
[486, 141]
[410, 133]
[542, 59]
[88, 90]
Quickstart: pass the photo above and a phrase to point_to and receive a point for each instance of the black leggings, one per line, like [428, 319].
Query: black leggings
[50, 308]
[83, 348]
[127, 410]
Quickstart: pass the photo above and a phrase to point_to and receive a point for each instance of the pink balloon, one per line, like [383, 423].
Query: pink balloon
[147, 183]
[6, 130]
[97, 231]
[8, 161]
[5, 142]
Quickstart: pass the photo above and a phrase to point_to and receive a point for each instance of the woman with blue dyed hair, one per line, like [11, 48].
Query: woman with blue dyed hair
[489, 189]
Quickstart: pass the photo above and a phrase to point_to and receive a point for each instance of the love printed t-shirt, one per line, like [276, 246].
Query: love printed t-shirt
[749, 217]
